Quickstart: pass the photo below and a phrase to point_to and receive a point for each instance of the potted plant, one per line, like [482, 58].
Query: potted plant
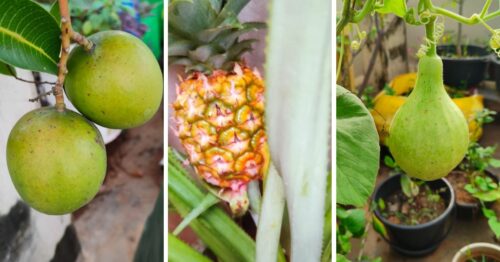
[413, 216]
[472, 182]
[478, 252]
[463, 64]
[464, 70]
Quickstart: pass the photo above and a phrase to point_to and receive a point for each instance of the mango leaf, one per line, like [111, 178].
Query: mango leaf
[358, 150]
[397, 7]
[6, 69]
[29, 36]
[55, 12]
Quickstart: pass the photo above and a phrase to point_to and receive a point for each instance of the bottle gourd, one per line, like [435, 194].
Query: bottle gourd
[428, 137]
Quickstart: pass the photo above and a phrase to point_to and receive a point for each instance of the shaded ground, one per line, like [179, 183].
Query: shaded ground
[109, 228]
[464, 231]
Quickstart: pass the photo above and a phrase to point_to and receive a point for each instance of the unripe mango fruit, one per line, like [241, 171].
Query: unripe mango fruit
[56, 160]
[118, 84]
[428, 136]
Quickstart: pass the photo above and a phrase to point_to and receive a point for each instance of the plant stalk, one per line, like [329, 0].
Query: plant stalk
[67, 34]
[459, 34]
[429, 33]
[65, 42]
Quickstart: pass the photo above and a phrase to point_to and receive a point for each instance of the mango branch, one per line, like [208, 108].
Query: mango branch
[65, 42]
[67, 34]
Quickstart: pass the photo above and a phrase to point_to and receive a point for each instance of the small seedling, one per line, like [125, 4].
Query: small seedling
[480, 186]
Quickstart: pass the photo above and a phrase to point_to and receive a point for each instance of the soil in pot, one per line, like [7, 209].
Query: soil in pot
[468, 207]
[458, 180]
[425, 207]
[481, 258]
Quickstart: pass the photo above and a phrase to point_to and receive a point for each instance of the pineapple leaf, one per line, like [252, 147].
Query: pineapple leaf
[218, 60]
[180, 61]
[214, 227]
[226, 40]
[187, 18]
[271, 217]
[198, 68]
[232, 7]
[208, 201]
[180, 48]
[238, 49]
[298, 78]
[210, 34]
[202, 53]
[180, 251]
[216, 5]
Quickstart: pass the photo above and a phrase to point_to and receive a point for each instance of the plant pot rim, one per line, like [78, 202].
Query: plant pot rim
[465, 249]
[473, 205]
[466, 58]
[441, 217]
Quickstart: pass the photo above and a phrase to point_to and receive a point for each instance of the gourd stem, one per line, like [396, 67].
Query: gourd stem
[429, 33]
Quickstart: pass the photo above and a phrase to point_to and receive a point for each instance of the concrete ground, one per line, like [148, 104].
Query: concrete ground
[109, 228]
[463, 232]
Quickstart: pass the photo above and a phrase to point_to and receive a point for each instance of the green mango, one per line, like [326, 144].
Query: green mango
[429, 136]
[118, 84]
[56, 160]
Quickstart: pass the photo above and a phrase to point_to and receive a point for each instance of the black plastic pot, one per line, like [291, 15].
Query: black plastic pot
[417, 240]
[463, 72]
[495, 68]
[469, 211]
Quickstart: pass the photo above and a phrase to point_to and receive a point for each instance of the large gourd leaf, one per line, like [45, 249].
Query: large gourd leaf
[298, 114]
[29, 36]
[358, 150]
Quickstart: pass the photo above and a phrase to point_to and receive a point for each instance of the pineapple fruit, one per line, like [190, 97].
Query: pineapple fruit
[219, 109]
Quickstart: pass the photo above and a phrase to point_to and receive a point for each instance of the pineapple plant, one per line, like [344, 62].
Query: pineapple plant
[219, 109]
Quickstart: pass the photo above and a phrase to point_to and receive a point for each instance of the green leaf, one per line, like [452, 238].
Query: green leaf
[494, 162]
[6, 69]
[355, 222]
[379, 227]
[55, 12]
[397, 7]
[410, 189]
[214, 227]
[31, 43]
[342, 258]
[357, 142]
[487, 196]
[150, 246]
[179, 251]
[187, 18]
[389, 161]
[488, 213]
[494, 226]
[208, 201]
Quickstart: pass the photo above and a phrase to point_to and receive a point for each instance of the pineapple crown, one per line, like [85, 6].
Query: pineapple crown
[204, 34]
